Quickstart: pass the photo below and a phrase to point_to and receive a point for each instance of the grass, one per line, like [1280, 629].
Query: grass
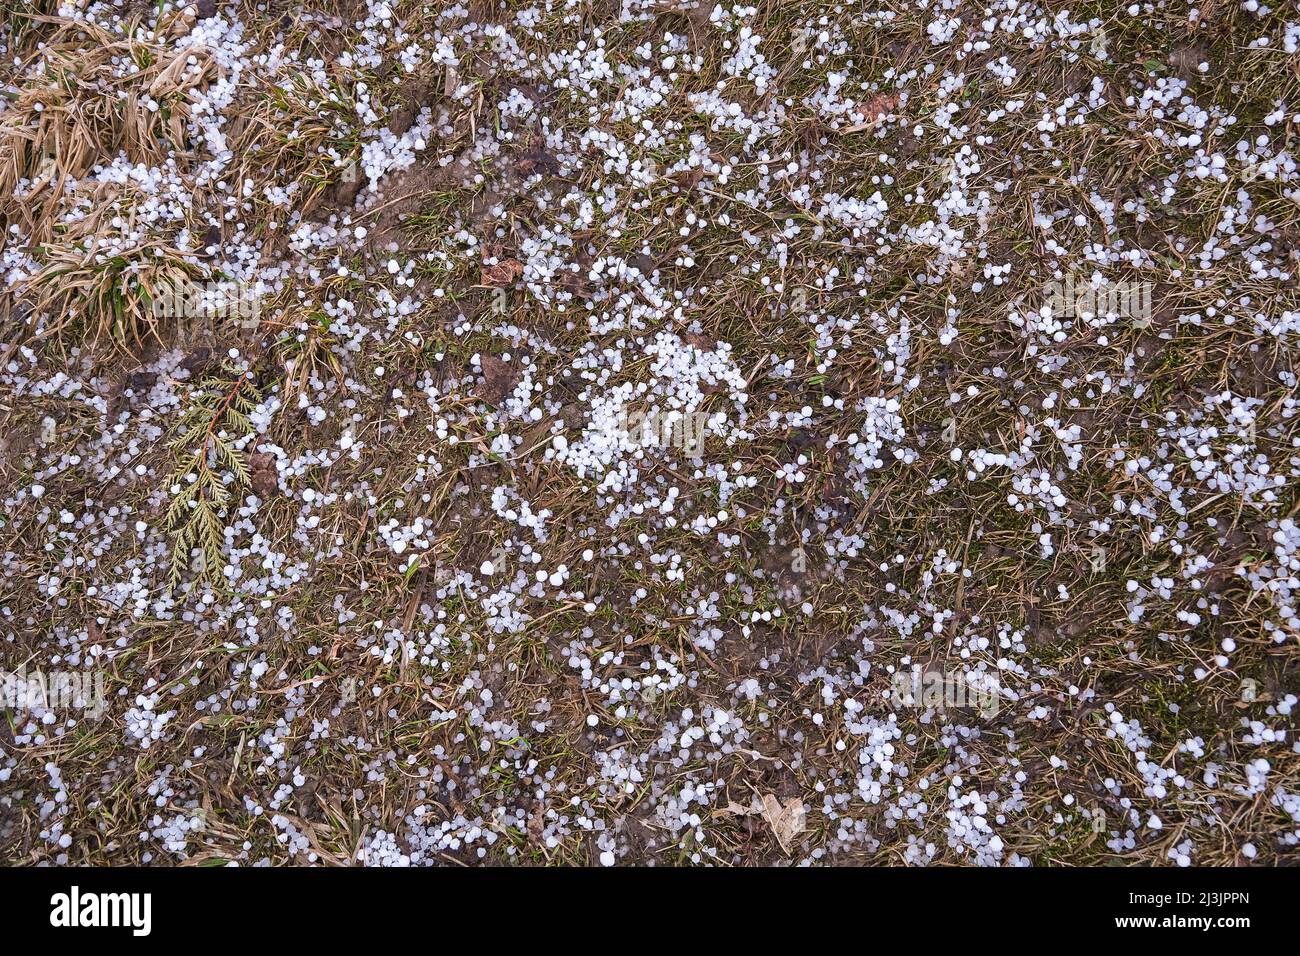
[413, 695]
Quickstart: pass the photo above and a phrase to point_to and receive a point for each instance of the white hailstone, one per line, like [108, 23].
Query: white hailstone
[38, 491]
[486, 568]
[607, 858]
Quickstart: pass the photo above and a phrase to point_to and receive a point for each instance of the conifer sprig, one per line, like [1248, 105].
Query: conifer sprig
[208, 462]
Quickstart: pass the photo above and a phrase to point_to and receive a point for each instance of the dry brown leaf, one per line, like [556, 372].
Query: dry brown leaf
[501, 271]
[265, 478]
[873, 111]
[498, 379]
[786, 820]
